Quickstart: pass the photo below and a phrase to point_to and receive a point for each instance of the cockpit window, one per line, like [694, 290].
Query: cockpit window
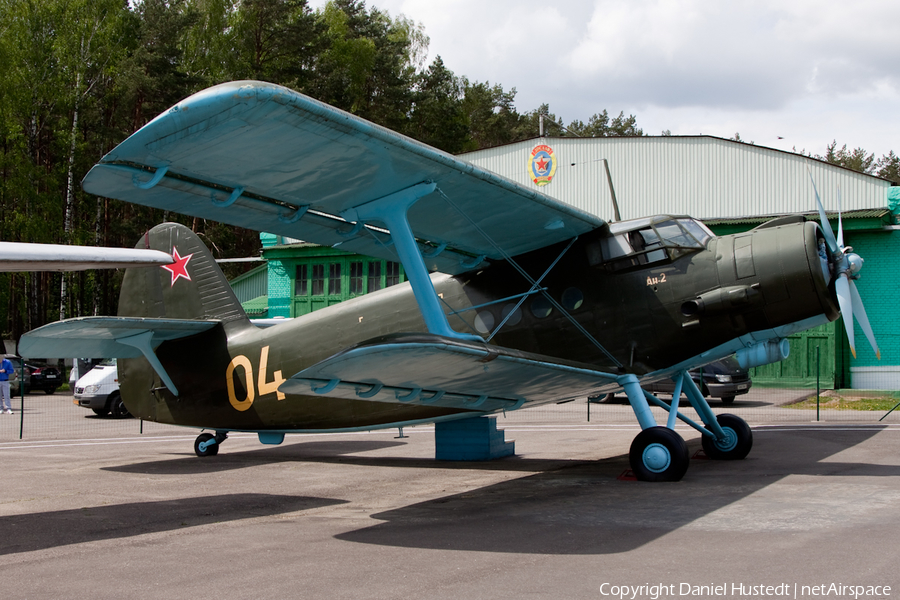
[650, 241]
[700, 232]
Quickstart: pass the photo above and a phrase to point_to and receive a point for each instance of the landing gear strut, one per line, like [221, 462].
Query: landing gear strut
[659, 453]
[207, 444]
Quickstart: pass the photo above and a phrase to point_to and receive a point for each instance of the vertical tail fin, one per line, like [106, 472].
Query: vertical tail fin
[193, 287]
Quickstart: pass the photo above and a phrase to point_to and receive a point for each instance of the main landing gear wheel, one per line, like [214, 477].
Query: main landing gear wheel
[203, 447]
[737, 443]
[658, 454]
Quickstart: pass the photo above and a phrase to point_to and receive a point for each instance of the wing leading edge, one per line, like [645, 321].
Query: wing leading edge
[264, 157]
[438, 371]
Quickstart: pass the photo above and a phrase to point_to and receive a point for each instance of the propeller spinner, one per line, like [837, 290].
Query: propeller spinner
[846, 265]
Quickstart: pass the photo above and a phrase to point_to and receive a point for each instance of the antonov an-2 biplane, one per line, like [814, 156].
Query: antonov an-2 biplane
[514, 299]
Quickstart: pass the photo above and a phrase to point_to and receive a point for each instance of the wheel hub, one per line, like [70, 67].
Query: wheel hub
[729, 441]
[656, 458]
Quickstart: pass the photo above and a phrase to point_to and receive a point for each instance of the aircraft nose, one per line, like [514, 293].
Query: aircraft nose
[781, 261]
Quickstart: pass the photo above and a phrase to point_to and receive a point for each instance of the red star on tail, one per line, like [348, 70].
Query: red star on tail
[179, 267]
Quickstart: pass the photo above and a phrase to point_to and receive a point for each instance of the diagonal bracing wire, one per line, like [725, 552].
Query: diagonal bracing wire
[529, 278]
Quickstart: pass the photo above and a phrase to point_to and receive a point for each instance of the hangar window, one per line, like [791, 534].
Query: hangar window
[334, 278]
[301, 286]
[392, 274]
[318, 280]
[374, 276]
[356, 278]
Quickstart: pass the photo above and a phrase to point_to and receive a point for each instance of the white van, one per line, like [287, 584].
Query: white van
[98, 390]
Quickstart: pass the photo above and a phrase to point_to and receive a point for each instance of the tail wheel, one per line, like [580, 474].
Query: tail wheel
[206, 445]
[737, 443]
[659, 454]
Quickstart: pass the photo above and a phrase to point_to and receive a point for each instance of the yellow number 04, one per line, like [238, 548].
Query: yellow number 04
[265, 387]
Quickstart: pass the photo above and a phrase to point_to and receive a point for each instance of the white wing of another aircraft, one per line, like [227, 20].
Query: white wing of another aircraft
[20, 256]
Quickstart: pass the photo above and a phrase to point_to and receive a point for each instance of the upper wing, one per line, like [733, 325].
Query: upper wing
[17, 256]
[264, 157]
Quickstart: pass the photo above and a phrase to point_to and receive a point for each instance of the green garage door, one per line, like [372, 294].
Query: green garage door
[799, 370]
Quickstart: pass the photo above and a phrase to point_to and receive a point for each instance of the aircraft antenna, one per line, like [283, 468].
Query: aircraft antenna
[612, 190]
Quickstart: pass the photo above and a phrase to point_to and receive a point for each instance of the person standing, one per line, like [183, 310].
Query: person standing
[6, 370]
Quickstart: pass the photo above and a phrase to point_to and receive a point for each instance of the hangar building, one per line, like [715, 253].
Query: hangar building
[733, 186]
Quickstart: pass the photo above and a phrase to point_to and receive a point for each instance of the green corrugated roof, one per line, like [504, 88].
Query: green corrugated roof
[256, 307]
[878, 213]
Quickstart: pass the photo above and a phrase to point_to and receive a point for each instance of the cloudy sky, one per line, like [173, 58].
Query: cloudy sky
[808, 71]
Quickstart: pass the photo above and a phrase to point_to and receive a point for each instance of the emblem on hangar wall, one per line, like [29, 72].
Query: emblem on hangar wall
[542, 164]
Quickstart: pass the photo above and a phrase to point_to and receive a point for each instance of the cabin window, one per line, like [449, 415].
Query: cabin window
[484, 321]
[515, 318]
[318, 280]
[301, 285]
[572, 299]
[541, 307]
[356, 278]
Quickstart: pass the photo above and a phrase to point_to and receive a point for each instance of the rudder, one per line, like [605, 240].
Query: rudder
[193, 287]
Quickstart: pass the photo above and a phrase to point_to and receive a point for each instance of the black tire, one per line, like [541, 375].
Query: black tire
[727, 400]
[116, 407]
[210, 450]
[659, 454]
[738, 444]
[100, 412]
[49, 391]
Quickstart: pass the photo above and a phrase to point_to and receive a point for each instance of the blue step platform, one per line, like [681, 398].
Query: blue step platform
[476, 438]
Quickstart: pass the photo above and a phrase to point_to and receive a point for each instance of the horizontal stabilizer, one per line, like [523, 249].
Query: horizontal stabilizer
[18, 256]
[437, 371]
[110, 337]
[102, 337]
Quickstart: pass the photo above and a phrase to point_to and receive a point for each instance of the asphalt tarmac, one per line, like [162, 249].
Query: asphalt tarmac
[368, 515]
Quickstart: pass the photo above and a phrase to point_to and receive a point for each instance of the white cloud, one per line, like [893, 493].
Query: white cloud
[808, 70]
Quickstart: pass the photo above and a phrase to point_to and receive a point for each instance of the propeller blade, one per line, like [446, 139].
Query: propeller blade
[826, 226]
[845, 300]
[859, 311]
[840, 237]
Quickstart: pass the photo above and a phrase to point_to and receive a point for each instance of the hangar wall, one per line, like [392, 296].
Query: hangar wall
[702, 176]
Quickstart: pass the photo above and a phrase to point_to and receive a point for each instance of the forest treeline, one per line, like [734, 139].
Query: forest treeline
[79, 76]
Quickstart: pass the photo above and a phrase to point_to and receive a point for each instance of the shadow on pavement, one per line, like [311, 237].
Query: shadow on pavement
[39, 531]
[584, 509]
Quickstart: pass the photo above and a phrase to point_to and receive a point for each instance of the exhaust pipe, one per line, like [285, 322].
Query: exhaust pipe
[763, 353]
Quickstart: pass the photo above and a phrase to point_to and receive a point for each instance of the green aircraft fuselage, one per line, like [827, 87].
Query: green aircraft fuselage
[653, 293]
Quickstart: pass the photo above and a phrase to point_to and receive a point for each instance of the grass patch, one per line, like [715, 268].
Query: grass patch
[831, 400]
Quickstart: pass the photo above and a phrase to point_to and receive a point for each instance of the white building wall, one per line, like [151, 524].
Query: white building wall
[702, 176]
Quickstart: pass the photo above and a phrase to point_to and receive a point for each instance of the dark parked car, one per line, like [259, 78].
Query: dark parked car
[724, 379]
[44, 377]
